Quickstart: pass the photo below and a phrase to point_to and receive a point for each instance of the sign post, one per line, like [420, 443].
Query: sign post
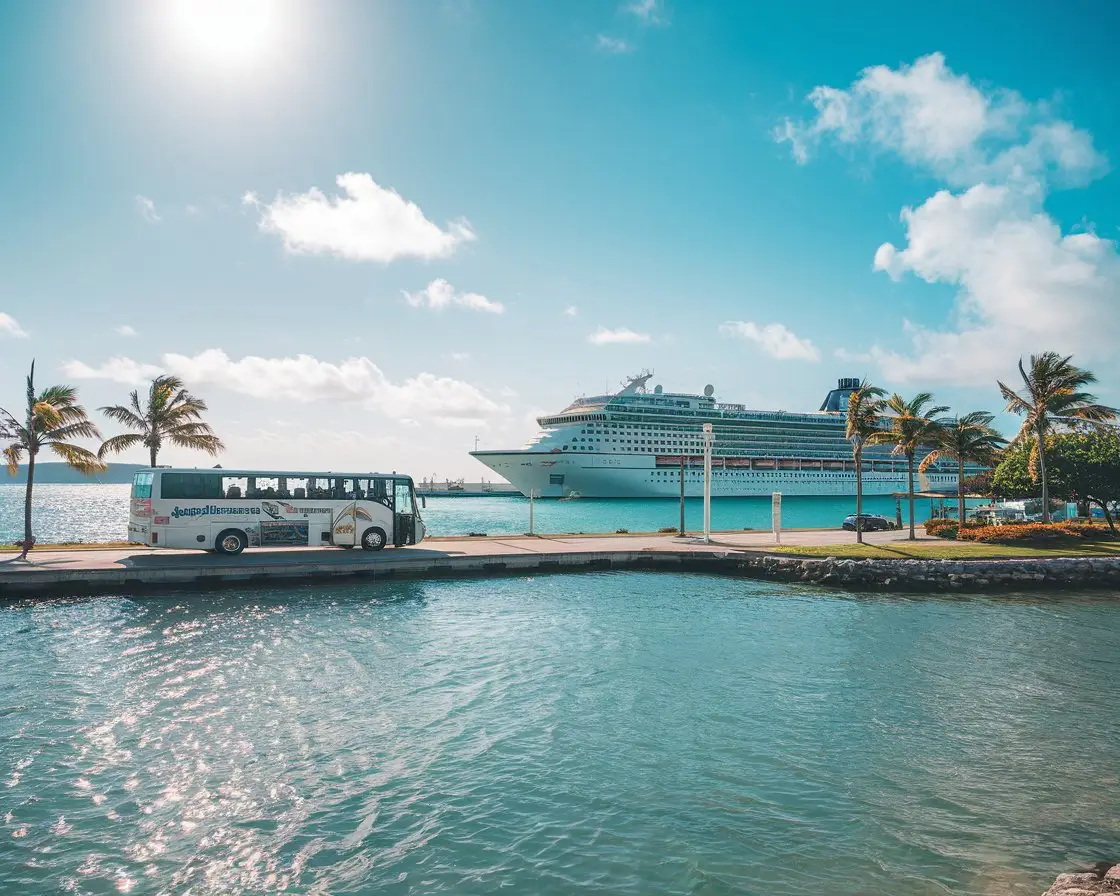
[776, 516]
[707, 482]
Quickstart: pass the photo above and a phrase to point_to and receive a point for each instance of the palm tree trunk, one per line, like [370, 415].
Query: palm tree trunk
[960, 492]
[859, 495]
[27, 536]
[154, 453]
[910, 491]
[1042, 474]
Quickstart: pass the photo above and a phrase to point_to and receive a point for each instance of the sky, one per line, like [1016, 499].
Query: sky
[368, 234]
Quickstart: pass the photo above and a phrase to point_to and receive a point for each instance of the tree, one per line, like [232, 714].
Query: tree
[968, 438]
[1012, 476]
[913, 424]
[865, 411]
[1053, 394]
[1085, 467]
[52, 419]
[170, 414]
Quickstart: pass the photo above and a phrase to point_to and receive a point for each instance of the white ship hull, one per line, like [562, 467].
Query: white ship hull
[615, 476]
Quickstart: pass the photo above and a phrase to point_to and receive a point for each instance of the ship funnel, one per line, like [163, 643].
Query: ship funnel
[837, 400]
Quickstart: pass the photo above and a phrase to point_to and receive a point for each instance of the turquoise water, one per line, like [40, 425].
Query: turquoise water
[90, 513]
[622, 733]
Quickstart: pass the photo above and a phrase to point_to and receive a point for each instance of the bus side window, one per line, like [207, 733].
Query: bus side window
[234, 487]
[378, 492]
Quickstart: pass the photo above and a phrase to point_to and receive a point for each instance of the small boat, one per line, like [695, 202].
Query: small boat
[571, 496]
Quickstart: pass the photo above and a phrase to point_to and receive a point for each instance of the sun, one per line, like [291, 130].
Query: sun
[226, 32]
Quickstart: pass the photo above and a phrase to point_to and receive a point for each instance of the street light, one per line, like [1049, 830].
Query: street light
[707, 482]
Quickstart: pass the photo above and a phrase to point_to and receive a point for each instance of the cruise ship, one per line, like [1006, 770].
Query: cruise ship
[630, 444]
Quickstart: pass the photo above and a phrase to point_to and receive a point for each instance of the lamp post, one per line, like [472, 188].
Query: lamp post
[707, 483]
[682, 496]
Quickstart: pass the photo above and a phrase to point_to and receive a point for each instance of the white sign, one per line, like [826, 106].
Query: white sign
[776, 516]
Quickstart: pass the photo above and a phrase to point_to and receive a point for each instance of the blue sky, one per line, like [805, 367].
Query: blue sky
[367, 232]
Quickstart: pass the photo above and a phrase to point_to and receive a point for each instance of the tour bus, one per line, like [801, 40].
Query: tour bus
[230, 510]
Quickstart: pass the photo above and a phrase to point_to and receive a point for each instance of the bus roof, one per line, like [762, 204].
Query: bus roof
[307, 474]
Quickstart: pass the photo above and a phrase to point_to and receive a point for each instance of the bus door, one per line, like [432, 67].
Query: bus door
[404, 514]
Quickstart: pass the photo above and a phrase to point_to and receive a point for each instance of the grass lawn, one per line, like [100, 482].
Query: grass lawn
[943, 549]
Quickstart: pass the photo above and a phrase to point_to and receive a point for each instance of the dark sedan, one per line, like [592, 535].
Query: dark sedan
[870, 522]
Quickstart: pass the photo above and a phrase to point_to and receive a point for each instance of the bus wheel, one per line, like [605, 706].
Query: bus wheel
[231, 541]
[373, 539]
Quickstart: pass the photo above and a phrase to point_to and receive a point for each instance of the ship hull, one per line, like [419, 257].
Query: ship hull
[588, 475]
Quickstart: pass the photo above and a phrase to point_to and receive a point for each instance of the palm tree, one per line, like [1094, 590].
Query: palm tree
[865, 410]
[913, 424]
[170, 414]
[968, 438]
[1053, 395]
[53, 418]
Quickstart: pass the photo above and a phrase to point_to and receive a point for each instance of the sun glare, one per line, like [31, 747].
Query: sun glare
[226, 32]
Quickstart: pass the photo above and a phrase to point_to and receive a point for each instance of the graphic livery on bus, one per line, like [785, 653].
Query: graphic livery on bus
[229, 510]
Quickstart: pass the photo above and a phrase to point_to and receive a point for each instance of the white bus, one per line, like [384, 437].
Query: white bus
[230, 510]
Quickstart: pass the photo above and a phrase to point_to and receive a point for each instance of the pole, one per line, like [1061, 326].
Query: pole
[682, 496]
[707, 482]
[531, 493]
[776, 516]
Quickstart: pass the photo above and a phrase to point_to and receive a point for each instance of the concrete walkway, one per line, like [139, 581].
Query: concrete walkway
[126, 570]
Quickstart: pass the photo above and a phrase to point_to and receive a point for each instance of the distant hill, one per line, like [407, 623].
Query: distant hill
[59, 473]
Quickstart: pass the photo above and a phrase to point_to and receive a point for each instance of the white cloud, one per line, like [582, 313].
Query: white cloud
[125, 330]
[193, 210]
[936, 119]
[571, 311]
[368, 222]
[10, 327]
[147, 209]
[774, 339]
[614, 46]
[440, 294]
[119, 370]
[306, 379]
[620, 336]
[460, 356]
[649, 12]
[1024, 285]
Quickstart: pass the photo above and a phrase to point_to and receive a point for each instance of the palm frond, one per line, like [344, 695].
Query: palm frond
[83, 429]
[211, 444]
[45, 416]
[13, 454]
[81, 459]
[117, 444]
[124, 416]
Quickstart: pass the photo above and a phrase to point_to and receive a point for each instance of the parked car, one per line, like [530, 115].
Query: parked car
[870, 522]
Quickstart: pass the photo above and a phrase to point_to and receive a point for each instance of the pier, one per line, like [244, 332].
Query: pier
[129, 570]
[745, 554]
[460, 488]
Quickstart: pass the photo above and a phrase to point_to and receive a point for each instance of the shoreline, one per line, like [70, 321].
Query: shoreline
[736, 555]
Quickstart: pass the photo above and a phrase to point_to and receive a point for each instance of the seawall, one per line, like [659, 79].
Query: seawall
[127, 571]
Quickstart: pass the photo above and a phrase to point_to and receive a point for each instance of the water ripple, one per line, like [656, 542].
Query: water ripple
[625, 732]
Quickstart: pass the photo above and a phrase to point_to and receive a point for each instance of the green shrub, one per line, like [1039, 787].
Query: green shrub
[1036, 533]
[941, 528]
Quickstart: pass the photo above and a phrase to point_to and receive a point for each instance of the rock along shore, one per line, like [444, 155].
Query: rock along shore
[938, 575]
[1102, 879]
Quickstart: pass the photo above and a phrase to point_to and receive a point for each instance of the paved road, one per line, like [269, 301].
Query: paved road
[436, 548]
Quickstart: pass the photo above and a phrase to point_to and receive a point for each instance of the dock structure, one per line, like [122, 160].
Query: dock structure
[140, 569]
[460, 488]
